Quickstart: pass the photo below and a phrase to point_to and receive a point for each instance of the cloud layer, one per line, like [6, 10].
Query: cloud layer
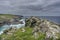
[30, 7]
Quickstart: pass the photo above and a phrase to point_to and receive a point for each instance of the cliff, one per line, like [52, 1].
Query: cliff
[51, 29]
[6, 18]
[35, 29]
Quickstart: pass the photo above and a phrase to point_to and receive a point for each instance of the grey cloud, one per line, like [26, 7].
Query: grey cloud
[31, 7]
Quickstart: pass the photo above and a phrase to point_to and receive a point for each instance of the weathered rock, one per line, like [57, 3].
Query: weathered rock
[1, 23]
[23, 30]
[45, 26]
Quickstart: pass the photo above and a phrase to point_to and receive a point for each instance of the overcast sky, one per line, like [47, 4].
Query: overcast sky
[30, 7]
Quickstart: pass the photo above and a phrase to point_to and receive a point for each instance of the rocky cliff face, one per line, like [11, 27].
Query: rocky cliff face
[45, 26]
[6, 18]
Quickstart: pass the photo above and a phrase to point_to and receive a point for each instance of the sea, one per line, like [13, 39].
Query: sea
[55, 19]
[5, 27]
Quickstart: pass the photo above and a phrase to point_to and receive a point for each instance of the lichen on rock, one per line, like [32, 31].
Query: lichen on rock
[44, 26]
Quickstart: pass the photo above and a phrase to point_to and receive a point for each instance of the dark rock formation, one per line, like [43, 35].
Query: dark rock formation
[6, 19]
[1, 23]
[45, 26]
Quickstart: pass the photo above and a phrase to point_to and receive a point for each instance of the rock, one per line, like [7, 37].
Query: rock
[1, 23]
[10, 31]
[45, 26]
[36, 35]
[23, 30]
[6, 31]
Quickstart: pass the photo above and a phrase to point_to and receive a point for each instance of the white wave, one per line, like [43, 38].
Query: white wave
[13, 25]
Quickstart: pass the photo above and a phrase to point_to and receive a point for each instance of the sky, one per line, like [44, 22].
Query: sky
[30, 7]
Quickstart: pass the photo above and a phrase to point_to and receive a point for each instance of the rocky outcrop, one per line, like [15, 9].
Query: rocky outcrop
[6, 18]
[45, 26]
[10, 30]
[1, 23]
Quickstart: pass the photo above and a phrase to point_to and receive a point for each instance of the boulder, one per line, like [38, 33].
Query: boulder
[51, 29]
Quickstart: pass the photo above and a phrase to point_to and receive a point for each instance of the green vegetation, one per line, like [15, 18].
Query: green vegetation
[27, 35]
[19, 35]
[6, 16]
[33, 31]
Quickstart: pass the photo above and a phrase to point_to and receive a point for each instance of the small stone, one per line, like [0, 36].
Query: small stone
[23, 30]
[36, 35]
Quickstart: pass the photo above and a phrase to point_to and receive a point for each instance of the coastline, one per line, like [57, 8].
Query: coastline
[13, 26]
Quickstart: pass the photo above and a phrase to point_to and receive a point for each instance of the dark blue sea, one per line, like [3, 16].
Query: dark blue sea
[55, 19]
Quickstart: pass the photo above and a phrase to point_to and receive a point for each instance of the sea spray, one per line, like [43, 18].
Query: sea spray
[5, 27]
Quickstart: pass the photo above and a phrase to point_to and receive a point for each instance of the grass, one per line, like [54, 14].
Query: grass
[6, 16]
[19, 35]
[27, 35]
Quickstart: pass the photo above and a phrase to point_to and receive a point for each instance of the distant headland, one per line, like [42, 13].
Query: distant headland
[8, 18]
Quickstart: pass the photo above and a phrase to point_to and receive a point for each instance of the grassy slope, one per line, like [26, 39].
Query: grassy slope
[19, 35]
[7, 16]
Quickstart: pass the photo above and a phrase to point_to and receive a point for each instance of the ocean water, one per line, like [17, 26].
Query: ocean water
[4, 27]
[55, 19]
